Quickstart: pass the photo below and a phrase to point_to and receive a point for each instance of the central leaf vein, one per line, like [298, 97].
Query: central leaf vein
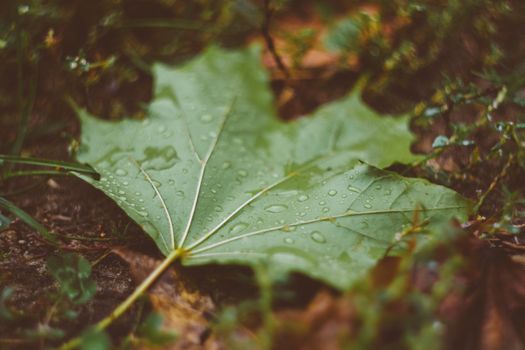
[202, 171]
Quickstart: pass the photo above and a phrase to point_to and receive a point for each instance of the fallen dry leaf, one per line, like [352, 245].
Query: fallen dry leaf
[186, 310]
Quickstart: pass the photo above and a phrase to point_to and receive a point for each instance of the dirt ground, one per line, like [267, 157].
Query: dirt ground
[486, 310]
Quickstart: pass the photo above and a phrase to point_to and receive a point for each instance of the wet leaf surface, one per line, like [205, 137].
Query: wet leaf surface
[213, 172]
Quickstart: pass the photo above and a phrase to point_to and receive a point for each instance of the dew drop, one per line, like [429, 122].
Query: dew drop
[218, 209]
[206, 118]
[276, 208]
[378, 187]
[322, 203]
[332, 193]
[302, 198]
[171, 182]
[143, 213]
[368, 206]
[238, 228]
[318, 237]
[120, 172]
[325, 210]
[125, 183]
[353, 189]
[226, 165]
[179, 194]
[242, 173]
[288, 193]
[289, 240]
[156, 183]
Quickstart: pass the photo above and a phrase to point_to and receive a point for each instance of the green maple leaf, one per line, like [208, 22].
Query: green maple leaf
[212, 173]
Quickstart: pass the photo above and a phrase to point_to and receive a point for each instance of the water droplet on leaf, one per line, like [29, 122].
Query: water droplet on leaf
[302, 198]
[353, 189]
[238, 228]
[318, 237]
[276, 208]
[121, 172]
[206, 118]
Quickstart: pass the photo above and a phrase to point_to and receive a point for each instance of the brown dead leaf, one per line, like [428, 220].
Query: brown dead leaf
[490, 315]
[325, 324]
[185, 309]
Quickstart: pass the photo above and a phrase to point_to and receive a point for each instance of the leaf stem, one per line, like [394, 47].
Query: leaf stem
[130, 300]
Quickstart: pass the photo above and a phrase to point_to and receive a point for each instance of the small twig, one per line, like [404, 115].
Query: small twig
[100, 258]
[268, 12]
[494, 182]
[25, 104]
[15, 341]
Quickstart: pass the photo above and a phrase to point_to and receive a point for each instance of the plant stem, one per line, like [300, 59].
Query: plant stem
[33, 173]
[59, 165]
[270, 44]
[25, 103]
[29, 220]
[494, 182]
[130, 300]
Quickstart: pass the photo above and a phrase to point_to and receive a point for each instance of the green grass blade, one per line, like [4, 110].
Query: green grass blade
[28, 219]
[81, 168]
[33, 173]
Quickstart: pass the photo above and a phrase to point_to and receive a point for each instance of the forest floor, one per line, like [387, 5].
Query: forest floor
[486, 310]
